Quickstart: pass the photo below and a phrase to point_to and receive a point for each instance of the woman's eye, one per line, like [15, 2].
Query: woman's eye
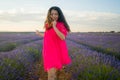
[53, 14]
[56, 14]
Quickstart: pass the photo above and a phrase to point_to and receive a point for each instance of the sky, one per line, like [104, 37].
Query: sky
[81, 15]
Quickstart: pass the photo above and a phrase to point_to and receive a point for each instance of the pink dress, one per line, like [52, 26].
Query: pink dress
[55, 51]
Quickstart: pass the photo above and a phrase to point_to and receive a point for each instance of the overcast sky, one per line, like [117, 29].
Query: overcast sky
[81, 15]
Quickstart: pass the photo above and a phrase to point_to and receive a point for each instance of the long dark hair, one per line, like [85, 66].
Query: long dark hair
[61, 17]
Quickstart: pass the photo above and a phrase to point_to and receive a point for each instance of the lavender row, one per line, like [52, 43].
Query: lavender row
[11, 44]
[85, 59]
[104, 40]
[15, 36]
[17, 64]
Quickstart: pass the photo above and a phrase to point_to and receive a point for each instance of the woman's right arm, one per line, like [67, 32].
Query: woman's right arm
[39, 33]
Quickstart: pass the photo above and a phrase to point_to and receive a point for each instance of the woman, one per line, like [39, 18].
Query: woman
[55, 51]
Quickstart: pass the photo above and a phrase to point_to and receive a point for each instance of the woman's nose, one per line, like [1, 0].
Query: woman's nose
[53, 15]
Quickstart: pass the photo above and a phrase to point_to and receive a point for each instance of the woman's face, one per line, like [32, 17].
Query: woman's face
[54, 15]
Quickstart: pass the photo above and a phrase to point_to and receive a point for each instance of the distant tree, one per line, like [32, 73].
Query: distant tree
[112, 31]
[118, 31]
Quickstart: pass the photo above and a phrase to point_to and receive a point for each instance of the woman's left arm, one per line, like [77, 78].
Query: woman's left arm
[60, 34]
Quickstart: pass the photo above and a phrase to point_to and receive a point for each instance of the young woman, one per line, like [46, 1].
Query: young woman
[55, 51]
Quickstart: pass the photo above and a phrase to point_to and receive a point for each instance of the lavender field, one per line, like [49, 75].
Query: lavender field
[95, 56]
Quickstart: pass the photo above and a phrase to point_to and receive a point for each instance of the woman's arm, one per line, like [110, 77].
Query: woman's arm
[39, 34]
[60, 34]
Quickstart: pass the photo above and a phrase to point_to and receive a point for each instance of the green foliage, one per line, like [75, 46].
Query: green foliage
[35, 53]
[108, 51]
[99, 72]
[11, 69]
[7, 47]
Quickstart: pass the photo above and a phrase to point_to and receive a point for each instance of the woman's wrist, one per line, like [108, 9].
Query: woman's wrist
[54, 26]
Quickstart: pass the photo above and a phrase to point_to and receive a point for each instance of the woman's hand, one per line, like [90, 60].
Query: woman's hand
[39, 34]
[54, 23]
[60, 34]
